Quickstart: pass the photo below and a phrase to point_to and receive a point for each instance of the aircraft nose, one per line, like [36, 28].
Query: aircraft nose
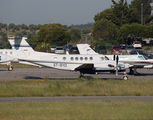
[121, 65]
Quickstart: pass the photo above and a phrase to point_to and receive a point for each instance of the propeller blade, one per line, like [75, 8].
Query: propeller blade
[114, 57]
[117, 65]
[117, 60]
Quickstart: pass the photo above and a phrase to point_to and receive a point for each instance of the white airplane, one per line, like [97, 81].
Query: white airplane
[20, 48]
[90, 64]
[131, 61]
[5, 59]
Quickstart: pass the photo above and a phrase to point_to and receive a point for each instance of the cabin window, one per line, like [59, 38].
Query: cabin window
[121, 58]
[81, 58]
[6, 53]
[64, 58]
[55, 58]
[132, 58]
[91, 58]
[0, 57]
[140, 58]
[1, 52]
[76, 58]
[72, 58]
[11, 53]
[86, 58]
[127, 58]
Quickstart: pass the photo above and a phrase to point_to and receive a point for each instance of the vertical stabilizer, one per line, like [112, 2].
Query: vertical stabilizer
[85, 49]
[21, 46]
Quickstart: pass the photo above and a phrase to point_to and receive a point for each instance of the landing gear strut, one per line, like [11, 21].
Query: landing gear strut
[81, 74]
[10, 68]
[133, 72]
[125, 77]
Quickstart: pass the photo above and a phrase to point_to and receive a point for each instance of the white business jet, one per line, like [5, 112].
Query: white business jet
[85, 64]
[131, 61]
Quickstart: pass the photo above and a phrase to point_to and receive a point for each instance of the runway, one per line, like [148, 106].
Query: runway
[85, 98]
[54, 74]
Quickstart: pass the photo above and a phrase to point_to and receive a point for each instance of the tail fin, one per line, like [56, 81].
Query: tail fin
[85, 49]
[21, 46]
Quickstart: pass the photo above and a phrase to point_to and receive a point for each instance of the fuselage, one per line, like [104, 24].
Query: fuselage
[138, 61]
[71, 62]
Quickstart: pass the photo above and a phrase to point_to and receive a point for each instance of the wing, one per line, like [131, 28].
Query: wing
[85, 67]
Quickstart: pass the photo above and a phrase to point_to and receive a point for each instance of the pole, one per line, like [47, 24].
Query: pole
[142, 14]
[7, 24]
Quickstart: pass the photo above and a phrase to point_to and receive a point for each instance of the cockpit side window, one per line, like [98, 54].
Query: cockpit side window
[106, 58]
[140, 57]
[102, 58]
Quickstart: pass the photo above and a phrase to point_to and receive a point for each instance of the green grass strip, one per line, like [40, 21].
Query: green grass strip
[84, 110]
[80, 87]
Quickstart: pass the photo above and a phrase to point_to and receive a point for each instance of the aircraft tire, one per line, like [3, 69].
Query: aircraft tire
[10, 68]
[125, 78]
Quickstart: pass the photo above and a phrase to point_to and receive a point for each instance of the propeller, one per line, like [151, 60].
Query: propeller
[117, 65]
[116, 58]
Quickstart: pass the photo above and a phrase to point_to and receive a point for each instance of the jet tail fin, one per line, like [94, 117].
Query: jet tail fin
[21, 46]
[85, 49]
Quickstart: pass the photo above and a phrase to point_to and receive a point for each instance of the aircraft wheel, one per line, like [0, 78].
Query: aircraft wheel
[125, 78]
[10, 68]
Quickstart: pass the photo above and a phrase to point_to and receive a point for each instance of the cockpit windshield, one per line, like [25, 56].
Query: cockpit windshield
[146, 58]
[106, 58]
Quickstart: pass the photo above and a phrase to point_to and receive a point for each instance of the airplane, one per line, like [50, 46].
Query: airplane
[85, 64]
[20, 48]
[131, 61]
[5, 59]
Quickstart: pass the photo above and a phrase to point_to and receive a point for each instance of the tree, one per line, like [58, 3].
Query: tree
[103, 15]
[86, 30]
[17, 27]
[104, 30]
[11, 26]
[24, 32]
[75, 34]
[23, 26]
[54, 34]
[33, 40]
[121, 13]
[136, 11]
[133, 31]
[18, 34]
[33, 27]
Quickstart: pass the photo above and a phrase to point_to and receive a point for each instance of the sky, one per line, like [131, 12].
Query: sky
[65, 12]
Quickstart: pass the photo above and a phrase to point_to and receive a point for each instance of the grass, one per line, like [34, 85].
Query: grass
[76, 110]
[80, 87]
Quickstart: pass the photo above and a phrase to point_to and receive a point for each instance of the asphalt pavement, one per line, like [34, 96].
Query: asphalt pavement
[53, 74]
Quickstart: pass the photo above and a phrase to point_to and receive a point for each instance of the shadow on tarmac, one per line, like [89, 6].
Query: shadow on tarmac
[85, 77]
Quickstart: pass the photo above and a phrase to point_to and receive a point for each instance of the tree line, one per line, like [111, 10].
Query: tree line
[122, 22]
[42, 36]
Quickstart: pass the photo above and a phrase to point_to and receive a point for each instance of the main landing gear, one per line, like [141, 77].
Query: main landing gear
[133, 72]
[125, 77]
[10, 68]
[81, 74]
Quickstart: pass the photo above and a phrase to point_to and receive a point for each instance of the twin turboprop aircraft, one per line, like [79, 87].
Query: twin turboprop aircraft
[132, 61]
[85, 64]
